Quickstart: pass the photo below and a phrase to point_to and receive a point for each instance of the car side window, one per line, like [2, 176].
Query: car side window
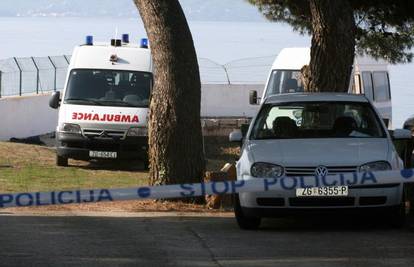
[367, 85]
[381, 86]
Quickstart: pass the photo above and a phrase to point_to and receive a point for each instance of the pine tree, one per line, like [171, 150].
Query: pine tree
[175, 139]
[341, 28]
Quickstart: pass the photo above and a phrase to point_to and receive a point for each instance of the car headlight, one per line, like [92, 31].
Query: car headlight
[375, 166]
[70, 128]
[266, 170]
[138, 131]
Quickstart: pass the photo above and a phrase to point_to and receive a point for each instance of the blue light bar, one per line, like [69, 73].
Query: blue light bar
[125, 38]
[144, 43]
[89, 40]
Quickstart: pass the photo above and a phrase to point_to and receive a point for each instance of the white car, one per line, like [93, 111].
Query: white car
[316, 135]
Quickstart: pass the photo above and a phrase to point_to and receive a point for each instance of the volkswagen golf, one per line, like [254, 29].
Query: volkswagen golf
[313, 135]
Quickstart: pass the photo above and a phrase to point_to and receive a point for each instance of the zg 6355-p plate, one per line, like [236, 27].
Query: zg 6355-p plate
[329, 191]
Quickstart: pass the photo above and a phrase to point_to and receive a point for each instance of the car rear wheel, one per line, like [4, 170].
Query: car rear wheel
[61, 161]
[244, 222]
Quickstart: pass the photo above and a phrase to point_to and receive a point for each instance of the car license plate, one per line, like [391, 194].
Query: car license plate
[328, 191]
[103, 154]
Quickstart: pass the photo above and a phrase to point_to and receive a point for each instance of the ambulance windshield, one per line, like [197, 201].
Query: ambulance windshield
[284, 81]
[109, 88]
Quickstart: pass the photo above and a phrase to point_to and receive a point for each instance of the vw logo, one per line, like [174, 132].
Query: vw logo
[321, 171]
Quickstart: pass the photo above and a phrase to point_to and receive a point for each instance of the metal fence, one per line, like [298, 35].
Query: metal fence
[20, 76]
[240, 71]
[34, 75]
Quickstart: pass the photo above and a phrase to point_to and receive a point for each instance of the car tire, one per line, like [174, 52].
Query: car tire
[61, 161]
[245, 222]
[398, 216]
[146, 164]
[408, 151]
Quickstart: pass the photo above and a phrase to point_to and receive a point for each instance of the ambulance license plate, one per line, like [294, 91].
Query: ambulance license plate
[328, 191]
[103, 154]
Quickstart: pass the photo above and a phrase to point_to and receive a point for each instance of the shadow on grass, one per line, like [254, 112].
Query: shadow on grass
[218, 151]
[110, 165]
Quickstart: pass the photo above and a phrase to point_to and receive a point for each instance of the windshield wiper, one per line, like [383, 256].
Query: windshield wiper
[115, 102]
[90, 101]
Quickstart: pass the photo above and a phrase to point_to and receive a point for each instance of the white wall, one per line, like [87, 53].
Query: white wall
[26, 116]
[31, 115]
[223, 100]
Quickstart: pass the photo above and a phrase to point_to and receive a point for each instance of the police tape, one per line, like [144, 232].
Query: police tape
[211, 188]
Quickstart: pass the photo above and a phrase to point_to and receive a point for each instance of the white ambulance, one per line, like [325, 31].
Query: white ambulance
[104, 105]
[370, 77]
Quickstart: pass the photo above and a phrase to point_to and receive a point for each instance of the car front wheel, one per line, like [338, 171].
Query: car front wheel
[61, 161]
[244, 222]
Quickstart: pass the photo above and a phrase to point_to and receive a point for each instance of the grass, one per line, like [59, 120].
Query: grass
[30, 168]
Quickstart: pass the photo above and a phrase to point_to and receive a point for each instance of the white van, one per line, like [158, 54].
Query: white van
[370, 77]
[104, 105]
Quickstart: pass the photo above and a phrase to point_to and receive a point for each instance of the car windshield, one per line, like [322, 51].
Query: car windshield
[284, 81]
[317, 120]
[109, 88]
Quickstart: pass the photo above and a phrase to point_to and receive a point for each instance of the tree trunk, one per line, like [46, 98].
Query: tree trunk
[333, 46]
[175, 138]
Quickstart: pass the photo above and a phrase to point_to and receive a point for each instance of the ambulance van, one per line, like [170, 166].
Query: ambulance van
[103, 108]
[370, 77]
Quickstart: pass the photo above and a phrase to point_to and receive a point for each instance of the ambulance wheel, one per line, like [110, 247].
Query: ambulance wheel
[244, 222]
[61, 161]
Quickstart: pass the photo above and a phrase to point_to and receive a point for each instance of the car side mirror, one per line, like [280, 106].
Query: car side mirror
[253, 97]
[400, 134]
[54, 101]
[236, 136]
[244, 128]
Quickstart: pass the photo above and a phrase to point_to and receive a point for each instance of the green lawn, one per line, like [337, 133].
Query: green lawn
[28, 168]
[32, 168]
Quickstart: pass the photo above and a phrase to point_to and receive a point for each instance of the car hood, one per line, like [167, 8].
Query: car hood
[315, 152]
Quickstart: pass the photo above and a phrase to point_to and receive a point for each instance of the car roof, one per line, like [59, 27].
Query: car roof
[314, 97]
